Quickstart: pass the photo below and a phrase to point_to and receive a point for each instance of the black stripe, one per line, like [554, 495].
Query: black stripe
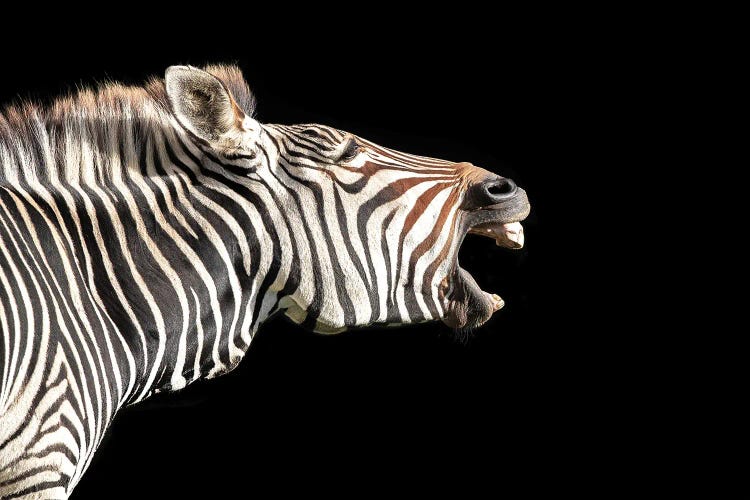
[390, 304]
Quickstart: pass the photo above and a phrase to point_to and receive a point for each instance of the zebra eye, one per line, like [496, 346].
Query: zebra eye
[350, 151]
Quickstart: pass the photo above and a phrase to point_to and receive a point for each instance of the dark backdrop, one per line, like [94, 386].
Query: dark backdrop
[390, 410]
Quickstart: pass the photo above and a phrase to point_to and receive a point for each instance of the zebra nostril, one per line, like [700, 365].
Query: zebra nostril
[501, 189]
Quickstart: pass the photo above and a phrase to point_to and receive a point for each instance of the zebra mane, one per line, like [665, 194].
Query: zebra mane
[29, 129]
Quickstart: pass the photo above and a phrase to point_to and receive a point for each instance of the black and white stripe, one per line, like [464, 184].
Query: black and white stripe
[142, 246]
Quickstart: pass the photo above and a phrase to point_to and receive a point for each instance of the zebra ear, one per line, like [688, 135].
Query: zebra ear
[202, 103]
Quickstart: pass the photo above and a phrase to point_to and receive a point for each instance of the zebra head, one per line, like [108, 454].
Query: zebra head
[350, 233]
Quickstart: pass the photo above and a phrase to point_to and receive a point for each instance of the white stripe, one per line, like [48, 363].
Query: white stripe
[199, 333]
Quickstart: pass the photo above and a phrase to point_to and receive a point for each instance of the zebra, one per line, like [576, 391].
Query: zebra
[146, 232]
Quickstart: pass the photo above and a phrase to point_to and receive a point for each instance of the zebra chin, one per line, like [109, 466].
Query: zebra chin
[469, 306]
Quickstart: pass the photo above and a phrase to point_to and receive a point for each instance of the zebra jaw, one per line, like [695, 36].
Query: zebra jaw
[469, 305]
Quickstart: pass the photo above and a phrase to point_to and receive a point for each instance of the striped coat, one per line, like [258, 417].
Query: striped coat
[147, 232]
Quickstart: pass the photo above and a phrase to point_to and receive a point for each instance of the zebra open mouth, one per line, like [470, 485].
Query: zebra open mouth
[469, 305]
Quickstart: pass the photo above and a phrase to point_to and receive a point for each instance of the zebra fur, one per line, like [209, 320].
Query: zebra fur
[147, 232]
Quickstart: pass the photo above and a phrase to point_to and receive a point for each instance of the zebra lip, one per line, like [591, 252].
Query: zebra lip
[508, 235]
[470, 306]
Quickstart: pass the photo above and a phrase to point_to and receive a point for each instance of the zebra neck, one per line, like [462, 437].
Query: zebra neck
[167, 262]
[207, 263]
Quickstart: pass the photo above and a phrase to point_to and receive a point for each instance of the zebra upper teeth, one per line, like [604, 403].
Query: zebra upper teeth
[509, 235]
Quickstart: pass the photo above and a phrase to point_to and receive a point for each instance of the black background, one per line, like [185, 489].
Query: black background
[401, 410]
